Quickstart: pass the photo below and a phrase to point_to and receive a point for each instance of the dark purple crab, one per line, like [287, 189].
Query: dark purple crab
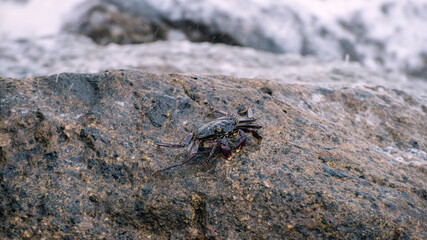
[217, 132]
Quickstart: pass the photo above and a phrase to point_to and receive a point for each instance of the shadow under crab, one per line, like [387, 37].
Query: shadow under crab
[217, 132]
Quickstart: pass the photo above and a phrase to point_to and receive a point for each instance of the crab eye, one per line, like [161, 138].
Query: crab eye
[218, 129]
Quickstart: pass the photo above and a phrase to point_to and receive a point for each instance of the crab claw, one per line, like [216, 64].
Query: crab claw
[227, 154]
[225, 149]
[256, 134]
[239, 147]
[241, 144]
[242, 141]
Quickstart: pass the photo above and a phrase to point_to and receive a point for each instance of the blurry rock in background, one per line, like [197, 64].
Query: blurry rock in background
[382, 35]
[76, 53]
[105, 23]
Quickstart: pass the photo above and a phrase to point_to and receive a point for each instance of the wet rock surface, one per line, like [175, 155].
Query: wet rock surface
[77, 153]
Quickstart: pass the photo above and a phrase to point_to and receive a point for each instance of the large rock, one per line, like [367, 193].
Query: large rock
[105, 23]
[70, 53]
[137, 22]
[77, 153]
[323, 28]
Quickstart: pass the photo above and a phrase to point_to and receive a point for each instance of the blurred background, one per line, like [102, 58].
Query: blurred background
[243, 38]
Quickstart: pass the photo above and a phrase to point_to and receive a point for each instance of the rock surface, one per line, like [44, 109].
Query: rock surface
[70, 53]
[327, 29]
[77, 153]
[106, 23]
[123, 23]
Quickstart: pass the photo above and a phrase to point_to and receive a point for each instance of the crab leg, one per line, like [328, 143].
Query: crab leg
[190, 156]
[253, 132]
[248, 119]
[248, 125]
[219, 111]
[225, 148]
[193, 152]
[250, 113]
[185, 141]
[242, 141]
[205, 162]
[227, 117]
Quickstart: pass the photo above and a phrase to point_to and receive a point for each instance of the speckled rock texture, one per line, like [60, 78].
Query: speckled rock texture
[77, 154]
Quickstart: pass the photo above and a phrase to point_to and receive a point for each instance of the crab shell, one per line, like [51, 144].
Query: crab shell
[220, 128]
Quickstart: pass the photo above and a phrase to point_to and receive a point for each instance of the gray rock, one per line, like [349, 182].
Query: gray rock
[70, 53]
[106, 23]
[137, 22]
[325, 29]
[77, 153]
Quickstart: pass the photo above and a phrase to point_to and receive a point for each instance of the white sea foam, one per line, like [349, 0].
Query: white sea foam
[34, 18]
[409, 156]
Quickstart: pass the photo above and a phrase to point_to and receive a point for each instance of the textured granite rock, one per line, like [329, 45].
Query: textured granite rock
[77, 153]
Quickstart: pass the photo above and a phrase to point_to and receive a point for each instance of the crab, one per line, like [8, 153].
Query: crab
[216, 133]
